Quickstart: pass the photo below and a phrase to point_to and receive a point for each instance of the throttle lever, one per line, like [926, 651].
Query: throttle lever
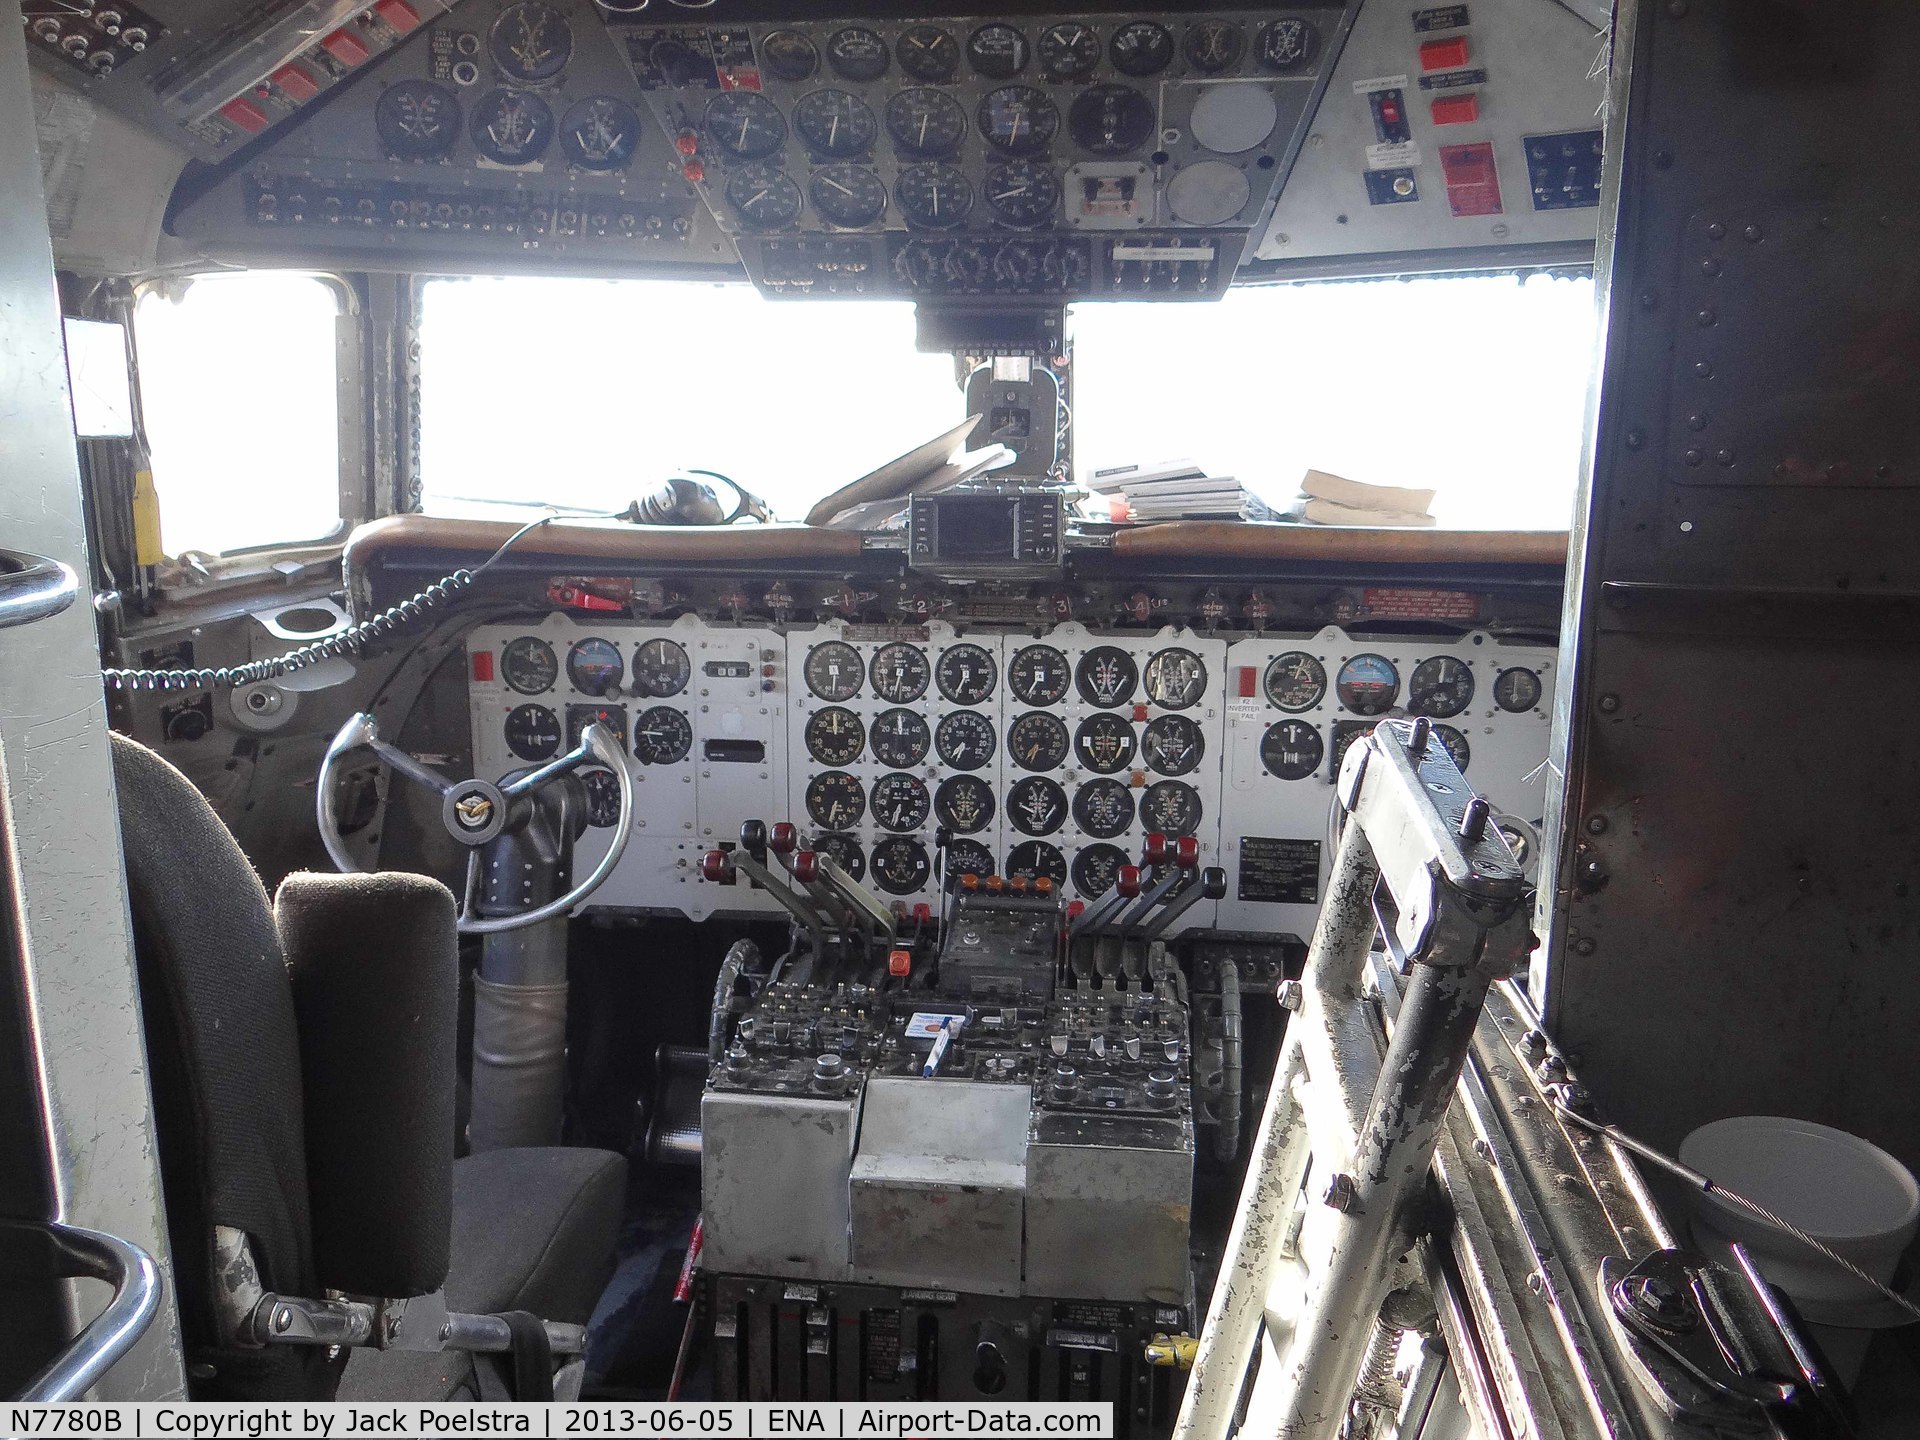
[1186, 859]
[762, 878]
[1212, 885]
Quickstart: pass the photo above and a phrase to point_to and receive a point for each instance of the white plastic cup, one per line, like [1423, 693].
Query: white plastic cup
[1848, 1194]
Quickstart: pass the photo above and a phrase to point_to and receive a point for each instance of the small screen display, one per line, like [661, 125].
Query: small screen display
[976, 529]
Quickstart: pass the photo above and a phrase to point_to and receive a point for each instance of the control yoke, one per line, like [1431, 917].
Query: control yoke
[478, 811]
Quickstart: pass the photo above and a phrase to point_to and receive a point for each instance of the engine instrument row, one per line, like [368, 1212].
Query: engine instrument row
[911, 752]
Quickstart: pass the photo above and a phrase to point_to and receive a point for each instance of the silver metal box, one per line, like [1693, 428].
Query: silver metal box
[1108, 1204]
[939, 1183]
[773, 1182]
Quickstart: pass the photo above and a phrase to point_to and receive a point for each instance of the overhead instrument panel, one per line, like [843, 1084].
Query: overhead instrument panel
[501, 126]
[982, 155]
[1451, 127]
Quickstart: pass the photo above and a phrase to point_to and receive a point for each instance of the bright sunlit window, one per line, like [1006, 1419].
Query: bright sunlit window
[238, 382]
[589, 393]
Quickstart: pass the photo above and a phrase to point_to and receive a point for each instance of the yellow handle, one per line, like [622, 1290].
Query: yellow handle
[147, 549]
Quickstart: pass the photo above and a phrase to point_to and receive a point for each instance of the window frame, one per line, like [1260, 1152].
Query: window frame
[352, 402]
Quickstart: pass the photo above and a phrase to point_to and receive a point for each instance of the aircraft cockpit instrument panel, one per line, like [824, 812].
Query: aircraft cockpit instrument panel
[912, 751]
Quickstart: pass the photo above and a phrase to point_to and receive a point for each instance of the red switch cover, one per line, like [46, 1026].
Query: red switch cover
[1448, 54]
[399, 14]
[247, 115]
[1473, 183]
[346, 47]
[296, 83]
[1456, 109]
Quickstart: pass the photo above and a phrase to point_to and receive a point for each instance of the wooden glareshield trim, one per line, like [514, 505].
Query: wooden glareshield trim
[575, 540]
[1244, 540]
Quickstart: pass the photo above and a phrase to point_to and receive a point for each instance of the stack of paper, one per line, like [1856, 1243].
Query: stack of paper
[1178, 490]
[1335, 500]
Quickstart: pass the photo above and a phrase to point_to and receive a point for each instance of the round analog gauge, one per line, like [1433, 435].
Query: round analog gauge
[901, 865]
[835, 736]
[1141, 48]
[964, 804]
[661, 668]
[1456, 746]
[1022, 194]
[1171, 807]
[661, 736]
[1368, 684]
[1037, 860]
[1038, 741]
[835, 800]
[835, 122]
[595, 667]
[833, 670]
[1017, 119]
[1172, 744]
[1215, 45]
[789, 55]
[998, 52]
[926, 52]
[968, 857]
[1103, 808]
[1287, 44]
[1036, 806]
[857, 54]
[926, 122]
[611, 718]
[1104, 743]
[900, 738]
[899, 673]
[1039, 675]
[510, 127]
[1441, 686]
[1296, 681]
[935, 197]
[417, 120]
[533, 732]
[1068, 52]
[1292, 749]
[850, 196]
[1106, 676]
[603, 798]
[746, 124]
[1096, 868]
[1176, 679]
[1111, 120]
[600, 133]
[530, 41]
[900, 802]
[964, 739]
[529, 666]
[966, 674]
[1515, 691]
[845, 852]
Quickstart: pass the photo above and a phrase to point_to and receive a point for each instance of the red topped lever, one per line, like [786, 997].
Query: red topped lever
[1126, 885]
[1153, 854]
[806, 866]
[784, 839]
[717, 866]
[1186, 854]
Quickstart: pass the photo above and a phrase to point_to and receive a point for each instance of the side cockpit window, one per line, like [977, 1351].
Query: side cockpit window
[240, 392]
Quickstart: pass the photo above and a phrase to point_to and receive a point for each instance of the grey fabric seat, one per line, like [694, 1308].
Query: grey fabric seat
[303, 1074]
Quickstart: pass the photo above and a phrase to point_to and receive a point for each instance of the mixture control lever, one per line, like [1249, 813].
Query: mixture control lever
[1212, 885]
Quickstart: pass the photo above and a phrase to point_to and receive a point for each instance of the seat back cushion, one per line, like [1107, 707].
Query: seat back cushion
[224, 1064]
[375, 964]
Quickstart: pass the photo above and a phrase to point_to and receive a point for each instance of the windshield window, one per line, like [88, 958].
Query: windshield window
[588, 393]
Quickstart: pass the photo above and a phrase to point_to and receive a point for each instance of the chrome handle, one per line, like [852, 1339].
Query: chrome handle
[49, 1250]
[32, 587]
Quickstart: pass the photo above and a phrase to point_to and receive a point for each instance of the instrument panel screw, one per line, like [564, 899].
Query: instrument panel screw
[1585, 945]
[1341, 1193]
[1609, 703]
[1597, 825]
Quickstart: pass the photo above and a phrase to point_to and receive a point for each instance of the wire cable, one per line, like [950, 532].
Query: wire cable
[351, 640]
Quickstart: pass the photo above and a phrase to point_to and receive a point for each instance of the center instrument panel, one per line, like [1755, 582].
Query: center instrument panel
[1048, 751]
